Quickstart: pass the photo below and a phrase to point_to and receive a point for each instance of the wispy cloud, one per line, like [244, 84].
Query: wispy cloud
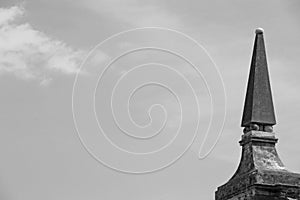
[31, 54]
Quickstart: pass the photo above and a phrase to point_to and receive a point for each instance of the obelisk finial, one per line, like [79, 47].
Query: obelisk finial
[259, 31]
[258, 109]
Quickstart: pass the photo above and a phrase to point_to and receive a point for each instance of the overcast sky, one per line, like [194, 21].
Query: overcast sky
[44, 156]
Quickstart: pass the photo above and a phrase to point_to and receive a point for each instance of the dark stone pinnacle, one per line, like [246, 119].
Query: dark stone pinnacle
[258, 107]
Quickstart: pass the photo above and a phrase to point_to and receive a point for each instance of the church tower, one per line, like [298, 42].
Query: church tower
[260, 175]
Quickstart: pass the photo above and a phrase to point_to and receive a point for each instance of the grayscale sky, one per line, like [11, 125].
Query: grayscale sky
[42, 46]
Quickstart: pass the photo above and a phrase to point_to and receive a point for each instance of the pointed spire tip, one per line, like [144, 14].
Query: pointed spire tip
[258, 107]
[259, 31]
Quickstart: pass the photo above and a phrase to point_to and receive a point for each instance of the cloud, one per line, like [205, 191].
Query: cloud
[31, 54]
[8, 15]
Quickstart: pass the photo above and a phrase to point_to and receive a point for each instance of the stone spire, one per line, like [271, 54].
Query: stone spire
[258, 108]
[261, 174]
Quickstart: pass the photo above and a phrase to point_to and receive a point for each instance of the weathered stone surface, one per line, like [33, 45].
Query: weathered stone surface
[261, 174]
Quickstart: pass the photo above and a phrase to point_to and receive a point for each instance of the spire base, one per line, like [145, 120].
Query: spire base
[261, 174]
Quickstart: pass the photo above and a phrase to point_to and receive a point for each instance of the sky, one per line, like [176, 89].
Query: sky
[80, 120]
